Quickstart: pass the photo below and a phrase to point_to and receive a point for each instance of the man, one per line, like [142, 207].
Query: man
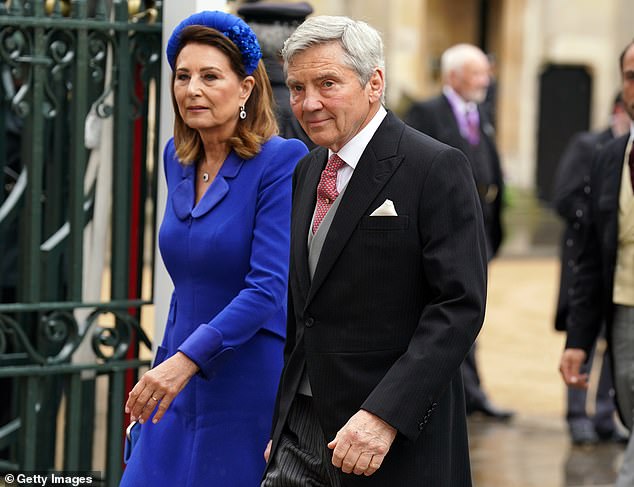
[387, 282]
[570, 198]
[604, 283]
[273, 23]
[455, 118]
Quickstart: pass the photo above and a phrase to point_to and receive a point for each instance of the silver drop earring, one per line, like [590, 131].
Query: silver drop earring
[243, 113]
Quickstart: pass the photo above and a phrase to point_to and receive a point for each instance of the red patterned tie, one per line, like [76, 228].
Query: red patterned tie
[327, 189]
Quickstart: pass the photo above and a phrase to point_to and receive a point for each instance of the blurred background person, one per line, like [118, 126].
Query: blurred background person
[456, 118]
[571, 199]
[273, 23]
[604, 281]
[489, 105]
[225, 242]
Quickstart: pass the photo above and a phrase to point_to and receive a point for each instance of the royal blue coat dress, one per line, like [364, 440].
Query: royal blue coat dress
[228, 259]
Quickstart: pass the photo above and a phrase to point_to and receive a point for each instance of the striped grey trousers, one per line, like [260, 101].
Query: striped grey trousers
[302, 458]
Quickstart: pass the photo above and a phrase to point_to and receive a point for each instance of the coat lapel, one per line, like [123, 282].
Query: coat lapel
[376, 166]
[304, 200]
[611, 186]
[184, 193]
[452, 128]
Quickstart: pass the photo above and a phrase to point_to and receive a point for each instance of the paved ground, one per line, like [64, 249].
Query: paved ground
[518, 356]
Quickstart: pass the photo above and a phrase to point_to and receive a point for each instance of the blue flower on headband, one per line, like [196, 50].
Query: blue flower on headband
[234, 28]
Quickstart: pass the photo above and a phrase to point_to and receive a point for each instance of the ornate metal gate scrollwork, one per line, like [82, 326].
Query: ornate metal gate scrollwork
[79, 84]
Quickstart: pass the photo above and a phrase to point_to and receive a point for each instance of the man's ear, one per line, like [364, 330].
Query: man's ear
[376, 85]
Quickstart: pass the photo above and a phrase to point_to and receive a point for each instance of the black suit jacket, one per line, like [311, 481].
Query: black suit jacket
[571, 198]
[394, 306]
[592, 300]
[435, 118]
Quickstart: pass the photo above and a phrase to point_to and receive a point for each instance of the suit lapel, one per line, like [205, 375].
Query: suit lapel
[303, 207]
[376, 166]
[611, 187]
[452, 128]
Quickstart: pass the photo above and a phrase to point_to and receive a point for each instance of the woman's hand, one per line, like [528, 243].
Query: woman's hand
[159, 385]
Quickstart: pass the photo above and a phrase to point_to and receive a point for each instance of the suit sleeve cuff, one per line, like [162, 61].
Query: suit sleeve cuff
[205, 348]
[410, 427]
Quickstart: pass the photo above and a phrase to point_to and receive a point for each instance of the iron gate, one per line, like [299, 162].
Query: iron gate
[79, 84]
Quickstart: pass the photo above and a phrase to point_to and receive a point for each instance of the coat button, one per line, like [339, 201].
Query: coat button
[569, 242]
[309, 322]
[579, 213]
[576, 225]
[586, 189]
[421, 426]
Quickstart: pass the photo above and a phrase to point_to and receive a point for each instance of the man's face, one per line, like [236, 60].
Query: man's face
[327, 97]
[472, 81]
[628, 81]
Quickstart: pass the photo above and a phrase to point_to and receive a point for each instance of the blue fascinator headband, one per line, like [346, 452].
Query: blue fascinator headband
[234, 28]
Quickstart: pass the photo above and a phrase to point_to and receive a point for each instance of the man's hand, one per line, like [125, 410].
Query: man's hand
[570, 367]
[361, 445]
[159, 386]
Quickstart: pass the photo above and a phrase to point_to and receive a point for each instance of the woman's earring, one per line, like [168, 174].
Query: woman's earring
[243, 113]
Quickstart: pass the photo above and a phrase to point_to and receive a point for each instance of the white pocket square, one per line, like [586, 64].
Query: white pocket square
[386, 209]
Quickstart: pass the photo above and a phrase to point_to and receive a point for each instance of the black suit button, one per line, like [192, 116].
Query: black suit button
[309, 322]
[579, 213]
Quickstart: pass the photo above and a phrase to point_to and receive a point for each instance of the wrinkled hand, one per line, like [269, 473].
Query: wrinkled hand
[267, 451]
[159, 385]
[361, 445]
[570, 367]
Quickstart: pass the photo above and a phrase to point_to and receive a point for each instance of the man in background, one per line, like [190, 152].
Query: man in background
[571, 198]
[604, 282]
[456, 118]
[273, 23]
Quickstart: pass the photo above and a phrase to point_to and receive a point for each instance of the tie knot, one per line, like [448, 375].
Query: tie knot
[334, 163]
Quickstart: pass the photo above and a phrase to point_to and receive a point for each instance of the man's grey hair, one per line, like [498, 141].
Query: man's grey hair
[361, 44]
[454, 58]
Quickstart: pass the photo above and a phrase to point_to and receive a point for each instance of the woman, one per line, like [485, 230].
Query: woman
[224, 240]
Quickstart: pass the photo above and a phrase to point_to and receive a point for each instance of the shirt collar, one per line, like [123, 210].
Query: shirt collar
[457, 101]
[352, 151]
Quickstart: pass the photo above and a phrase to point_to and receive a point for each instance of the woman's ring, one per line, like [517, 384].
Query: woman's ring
[154, 399]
